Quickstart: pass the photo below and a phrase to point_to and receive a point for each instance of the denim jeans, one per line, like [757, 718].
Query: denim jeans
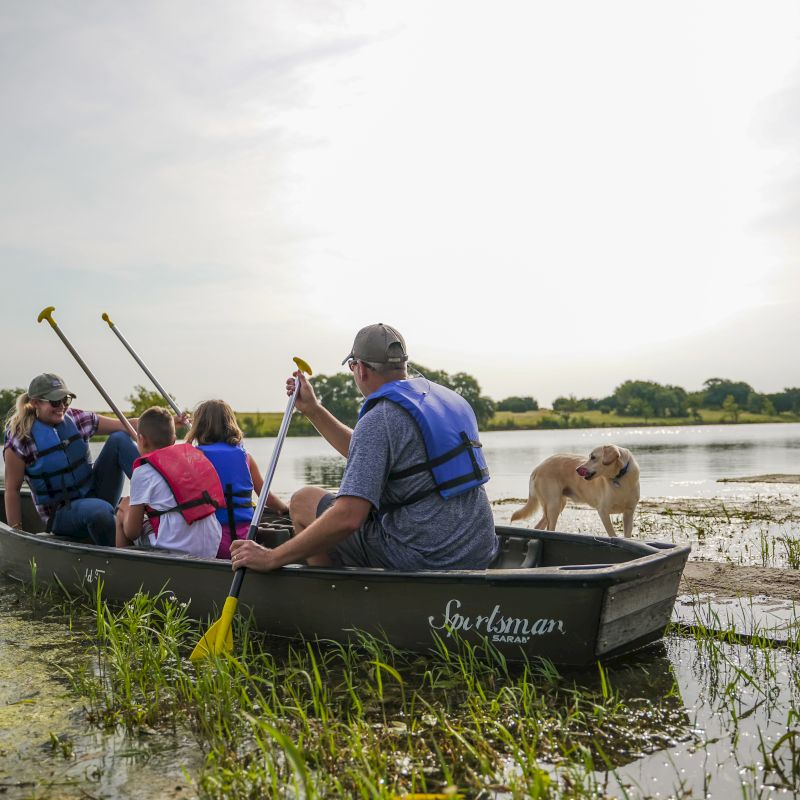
[94, 513]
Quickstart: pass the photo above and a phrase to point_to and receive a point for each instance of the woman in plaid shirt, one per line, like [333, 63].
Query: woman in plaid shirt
[73, 496]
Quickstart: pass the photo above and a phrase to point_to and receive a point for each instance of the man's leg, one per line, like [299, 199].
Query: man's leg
[113, 464]
[88, 515]
[356, 550]
[305, 506]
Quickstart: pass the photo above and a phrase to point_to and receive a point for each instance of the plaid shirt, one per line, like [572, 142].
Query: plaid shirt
[86, 423]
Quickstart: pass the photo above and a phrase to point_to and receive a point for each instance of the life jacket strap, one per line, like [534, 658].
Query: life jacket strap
[415, 498]
[230, 495]
[62, 445]
[71, 467]
[67, 495]
[205, 499]
[466, 444]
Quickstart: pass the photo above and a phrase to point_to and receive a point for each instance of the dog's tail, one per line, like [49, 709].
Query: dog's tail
[529, 507]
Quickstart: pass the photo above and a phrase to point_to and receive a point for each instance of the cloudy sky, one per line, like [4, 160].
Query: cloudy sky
[553, 197]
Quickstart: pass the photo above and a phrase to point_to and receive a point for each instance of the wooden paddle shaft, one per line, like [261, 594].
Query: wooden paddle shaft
[141, 363]
[47, 314]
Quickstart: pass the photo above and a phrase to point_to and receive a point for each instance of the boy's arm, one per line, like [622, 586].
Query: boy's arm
[129, 522]
[132, 521]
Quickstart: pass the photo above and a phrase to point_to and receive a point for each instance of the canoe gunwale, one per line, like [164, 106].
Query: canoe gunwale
[652, 560]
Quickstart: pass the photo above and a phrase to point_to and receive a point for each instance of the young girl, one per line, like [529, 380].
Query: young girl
[217, 434]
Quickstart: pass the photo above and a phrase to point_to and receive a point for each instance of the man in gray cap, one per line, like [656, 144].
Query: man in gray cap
[411, 496]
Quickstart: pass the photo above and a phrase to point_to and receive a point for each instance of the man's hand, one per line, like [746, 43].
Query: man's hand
[247, 553]
[306, 401]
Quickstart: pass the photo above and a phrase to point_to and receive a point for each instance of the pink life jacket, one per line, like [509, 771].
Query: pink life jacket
[191, 478]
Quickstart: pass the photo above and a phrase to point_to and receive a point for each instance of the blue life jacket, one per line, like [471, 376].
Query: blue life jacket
[449, 430]
[62, 470]
[230, 462]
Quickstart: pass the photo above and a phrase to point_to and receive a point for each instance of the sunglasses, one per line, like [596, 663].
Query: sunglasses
[352, 363]
[63, 402]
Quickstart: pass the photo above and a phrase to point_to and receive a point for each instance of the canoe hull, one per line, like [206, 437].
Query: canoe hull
[617, 598]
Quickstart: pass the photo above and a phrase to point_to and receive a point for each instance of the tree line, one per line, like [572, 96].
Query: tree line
[652, 400]
[633, 398]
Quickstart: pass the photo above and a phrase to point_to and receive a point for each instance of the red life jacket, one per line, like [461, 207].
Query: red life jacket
[191, 478]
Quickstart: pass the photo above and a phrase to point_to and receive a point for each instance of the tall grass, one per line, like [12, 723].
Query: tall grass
[324, 719]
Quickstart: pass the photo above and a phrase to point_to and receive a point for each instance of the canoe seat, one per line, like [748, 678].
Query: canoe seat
[533, 554]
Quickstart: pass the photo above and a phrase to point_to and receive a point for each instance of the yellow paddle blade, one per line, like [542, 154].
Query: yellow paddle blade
[302, 365]
[218, 638]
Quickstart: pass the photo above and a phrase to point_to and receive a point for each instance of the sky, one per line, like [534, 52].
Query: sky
[552, 197]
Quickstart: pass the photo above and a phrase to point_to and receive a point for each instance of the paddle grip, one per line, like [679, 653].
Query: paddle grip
[47, 314]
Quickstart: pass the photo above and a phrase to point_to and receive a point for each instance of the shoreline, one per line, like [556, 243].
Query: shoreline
[733, 581]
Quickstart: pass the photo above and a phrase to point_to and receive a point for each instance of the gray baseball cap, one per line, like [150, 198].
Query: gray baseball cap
[49, 387]
[379, 344]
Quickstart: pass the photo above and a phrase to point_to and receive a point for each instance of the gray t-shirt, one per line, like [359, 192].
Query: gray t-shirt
[432, 533]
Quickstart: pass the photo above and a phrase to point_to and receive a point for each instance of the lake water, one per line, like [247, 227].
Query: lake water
[674, 461]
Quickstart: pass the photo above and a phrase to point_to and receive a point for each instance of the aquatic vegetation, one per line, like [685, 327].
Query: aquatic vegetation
[364, 719]
[320, 719]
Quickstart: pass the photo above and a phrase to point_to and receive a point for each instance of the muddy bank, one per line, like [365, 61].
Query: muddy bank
[772, 478]
[733, 580]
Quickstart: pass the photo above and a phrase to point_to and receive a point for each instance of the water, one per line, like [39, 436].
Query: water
[674, 461]
[47, 748]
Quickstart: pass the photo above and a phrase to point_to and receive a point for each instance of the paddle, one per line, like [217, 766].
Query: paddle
[218, 638]
[47, 314]
[141, 363]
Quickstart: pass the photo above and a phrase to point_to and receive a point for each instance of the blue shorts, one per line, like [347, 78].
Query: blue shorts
[355, 550]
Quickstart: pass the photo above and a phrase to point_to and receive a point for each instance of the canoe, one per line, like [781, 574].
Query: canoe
[570, 598]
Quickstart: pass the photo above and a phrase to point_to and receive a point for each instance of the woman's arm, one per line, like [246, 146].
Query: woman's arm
[15, 475]
[273, 502]
[107, 425]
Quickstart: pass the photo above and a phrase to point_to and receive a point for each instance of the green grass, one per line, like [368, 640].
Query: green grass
[365, 720]
[319, 719]
[545, 418]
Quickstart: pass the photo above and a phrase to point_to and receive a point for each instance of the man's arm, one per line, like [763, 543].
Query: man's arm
[336, 433]
[345, 517]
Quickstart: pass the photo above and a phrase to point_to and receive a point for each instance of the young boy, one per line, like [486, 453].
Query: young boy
[175, 492]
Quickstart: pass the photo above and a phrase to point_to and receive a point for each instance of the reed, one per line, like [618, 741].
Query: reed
[321, 719]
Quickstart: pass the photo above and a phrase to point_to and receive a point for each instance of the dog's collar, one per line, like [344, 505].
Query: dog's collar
[620, 474]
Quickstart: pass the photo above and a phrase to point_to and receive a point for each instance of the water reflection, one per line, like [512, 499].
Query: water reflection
[47, 747]
[657, 718]
[325, 472]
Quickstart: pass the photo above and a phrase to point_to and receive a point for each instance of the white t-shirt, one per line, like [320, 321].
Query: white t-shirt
[201, 538]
